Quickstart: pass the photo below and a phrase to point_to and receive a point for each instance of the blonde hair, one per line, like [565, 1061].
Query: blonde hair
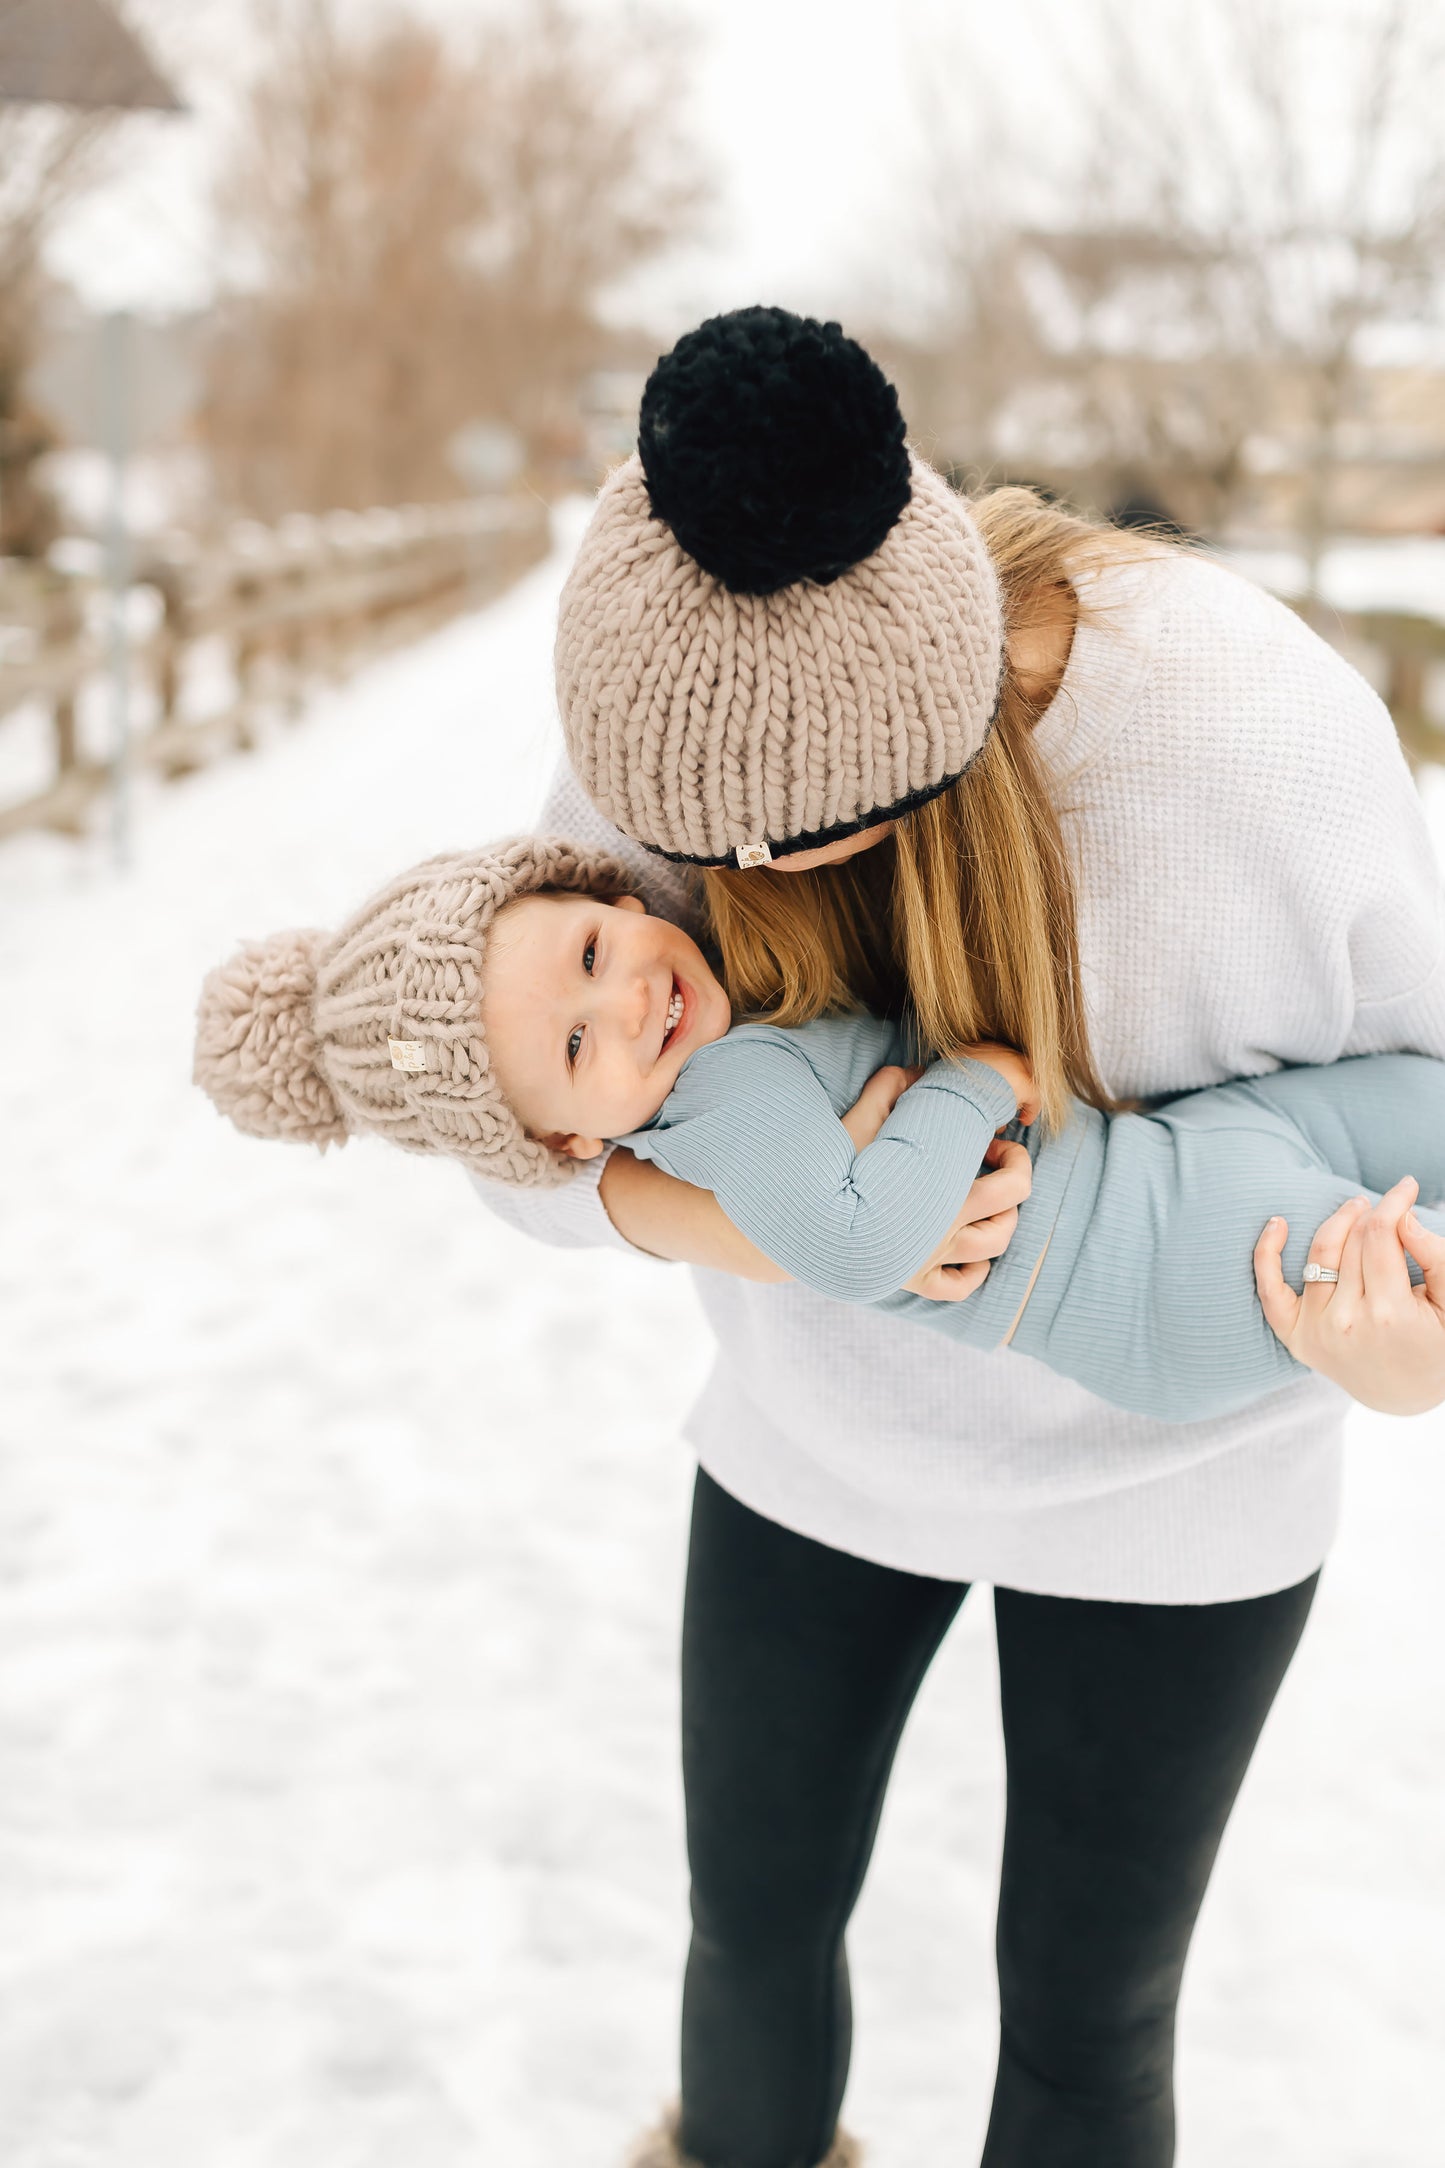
[964, 918]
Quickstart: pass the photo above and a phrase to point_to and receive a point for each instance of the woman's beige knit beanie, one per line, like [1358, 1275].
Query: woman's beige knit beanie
[314, 1036]
[781, 627]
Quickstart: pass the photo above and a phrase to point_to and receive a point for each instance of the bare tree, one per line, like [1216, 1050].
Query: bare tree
[1242, 197]
[587, 175]
[422, 234]
[347, 201]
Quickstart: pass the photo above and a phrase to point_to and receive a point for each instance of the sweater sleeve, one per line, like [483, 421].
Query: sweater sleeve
[751, 1120]
[573, 1216]
[1396, 935]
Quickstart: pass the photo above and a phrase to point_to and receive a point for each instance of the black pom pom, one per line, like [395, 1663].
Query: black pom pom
[773, 448]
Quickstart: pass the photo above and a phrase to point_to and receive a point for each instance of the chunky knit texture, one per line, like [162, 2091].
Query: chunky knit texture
[773, 448]
[700, 720]
[256, 1048]
[293, 1035]
[1256, 885]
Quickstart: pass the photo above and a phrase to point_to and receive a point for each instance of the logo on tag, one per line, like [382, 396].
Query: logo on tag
[754, 854]
[408, 1054]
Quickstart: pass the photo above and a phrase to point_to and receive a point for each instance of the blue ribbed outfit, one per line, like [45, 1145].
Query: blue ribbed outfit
[1146, 1223]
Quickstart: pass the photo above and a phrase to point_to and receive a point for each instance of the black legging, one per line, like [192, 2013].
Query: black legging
[1128, 1728]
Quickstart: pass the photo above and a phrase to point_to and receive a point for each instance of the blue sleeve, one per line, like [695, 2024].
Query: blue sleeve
[751, 1121]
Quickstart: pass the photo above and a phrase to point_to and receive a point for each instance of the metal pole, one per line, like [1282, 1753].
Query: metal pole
[115, 393]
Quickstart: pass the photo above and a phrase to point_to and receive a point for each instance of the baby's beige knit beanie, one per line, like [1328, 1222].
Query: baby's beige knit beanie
[314, 1036]
[781, 627]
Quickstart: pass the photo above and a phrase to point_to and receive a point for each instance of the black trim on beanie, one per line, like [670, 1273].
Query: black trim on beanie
[813, 839]
[774, 448]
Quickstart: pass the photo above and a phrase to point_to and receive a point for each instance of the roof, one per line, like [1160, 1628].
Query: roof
[76, 52]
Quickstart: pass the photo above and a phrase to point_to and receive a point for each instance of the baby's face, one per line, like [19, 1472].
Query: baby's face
[590, 1011]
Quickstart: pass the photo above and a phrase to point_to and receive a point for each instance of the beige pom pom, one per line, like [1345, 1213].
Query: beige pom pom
[377, 1029]
[256, 1050]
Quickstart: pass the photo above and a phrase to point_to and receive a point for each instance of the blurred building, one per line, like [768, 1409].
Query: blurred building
[1245, 472]
[1389, 473]
[77, 53]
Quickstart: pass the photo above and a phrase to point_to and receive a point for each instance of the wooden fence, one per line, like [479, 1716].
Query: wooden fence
[276, 609]
[312, 597]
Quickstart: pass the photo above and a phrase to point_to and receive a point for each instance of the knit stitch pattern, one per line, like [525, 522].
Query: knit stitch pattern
[292, 1035]
[1256, 884]
[700, 720]
[774, 448]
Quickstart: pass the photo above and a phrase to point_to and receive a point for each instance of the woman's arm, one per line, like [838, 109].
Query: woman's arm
[668, 1218]
[751, 1121]
[655, 1212]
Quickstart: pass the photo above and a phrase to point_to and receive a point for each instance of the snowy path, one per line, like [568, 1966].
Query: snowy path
[340, 1556]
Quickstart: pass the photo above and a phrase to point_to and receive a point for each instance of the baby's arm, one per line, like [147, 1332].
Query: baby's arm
[1370, 1331]
[751, 1121]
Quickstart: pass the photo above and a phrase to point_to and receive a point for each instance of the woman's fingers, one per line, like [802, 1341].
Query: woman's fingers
[1328, 1250]
[1428, 1251]
[1388, 1295]
[1006, 1185]
[1277, 1299]
[983, 1229]
[1346, 1299]
[1371, 1333]
[989, 1216]
[947, 1283]
[973, 1240]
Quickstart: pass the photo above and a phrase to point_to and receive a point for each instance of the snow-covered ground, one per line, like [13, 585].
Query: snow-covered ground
[341, 1546]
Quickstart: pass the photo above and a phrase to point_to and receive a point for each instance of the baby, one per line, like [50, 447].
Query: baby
[517, 1008]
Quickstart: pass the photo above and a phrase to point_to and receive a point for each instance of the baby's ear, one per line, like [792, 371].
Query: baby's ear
[625, 903]
[576, 1147]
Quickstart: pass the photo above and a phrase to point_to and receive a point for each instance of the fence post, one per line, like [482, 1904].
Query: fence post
[62, 622]
[115, 371]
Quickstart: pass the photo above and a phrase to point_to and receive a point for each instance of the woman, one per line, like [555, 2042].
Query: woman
[1104, 801]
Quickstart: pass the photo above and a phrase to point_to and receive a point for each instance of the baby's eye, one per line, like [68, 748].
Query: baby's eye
[574, 1047]
[589, 957]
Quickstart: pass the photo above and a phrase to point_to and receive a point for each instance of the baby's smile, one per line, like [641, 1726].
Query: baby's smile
[590, 1010]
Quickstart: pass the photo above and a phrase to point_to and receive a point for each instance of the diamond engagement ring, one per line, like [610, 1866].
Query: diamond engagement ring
[1321, 1272]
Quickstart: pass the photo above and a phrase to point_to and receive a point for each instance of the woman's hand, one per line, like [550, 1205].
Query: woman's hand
[671, 1219]
[983, 1230]
[1372, 1332]
[988, 1216]
[667, 1218]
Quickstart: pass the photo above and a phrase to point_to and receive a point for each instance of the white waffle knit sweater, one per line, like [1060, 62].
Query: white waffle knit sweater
[1256, 887]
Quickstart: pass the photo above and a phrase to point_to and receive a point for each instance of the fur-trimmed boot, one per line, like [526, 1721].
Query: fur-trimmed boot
[660, 2149]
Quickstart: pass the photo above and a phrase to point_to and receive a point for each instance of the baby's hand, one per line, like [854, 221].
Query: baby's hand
[879, 1096]
[1371, 1331]
[1014, 1069]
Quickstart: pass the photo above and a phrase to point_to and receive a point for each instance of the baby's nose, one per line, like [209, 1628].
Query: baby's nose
[633, 1004]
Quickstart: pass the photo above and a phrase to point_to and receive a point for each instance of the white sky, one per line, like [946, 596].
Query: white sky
[807, 110]
[802, 107]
